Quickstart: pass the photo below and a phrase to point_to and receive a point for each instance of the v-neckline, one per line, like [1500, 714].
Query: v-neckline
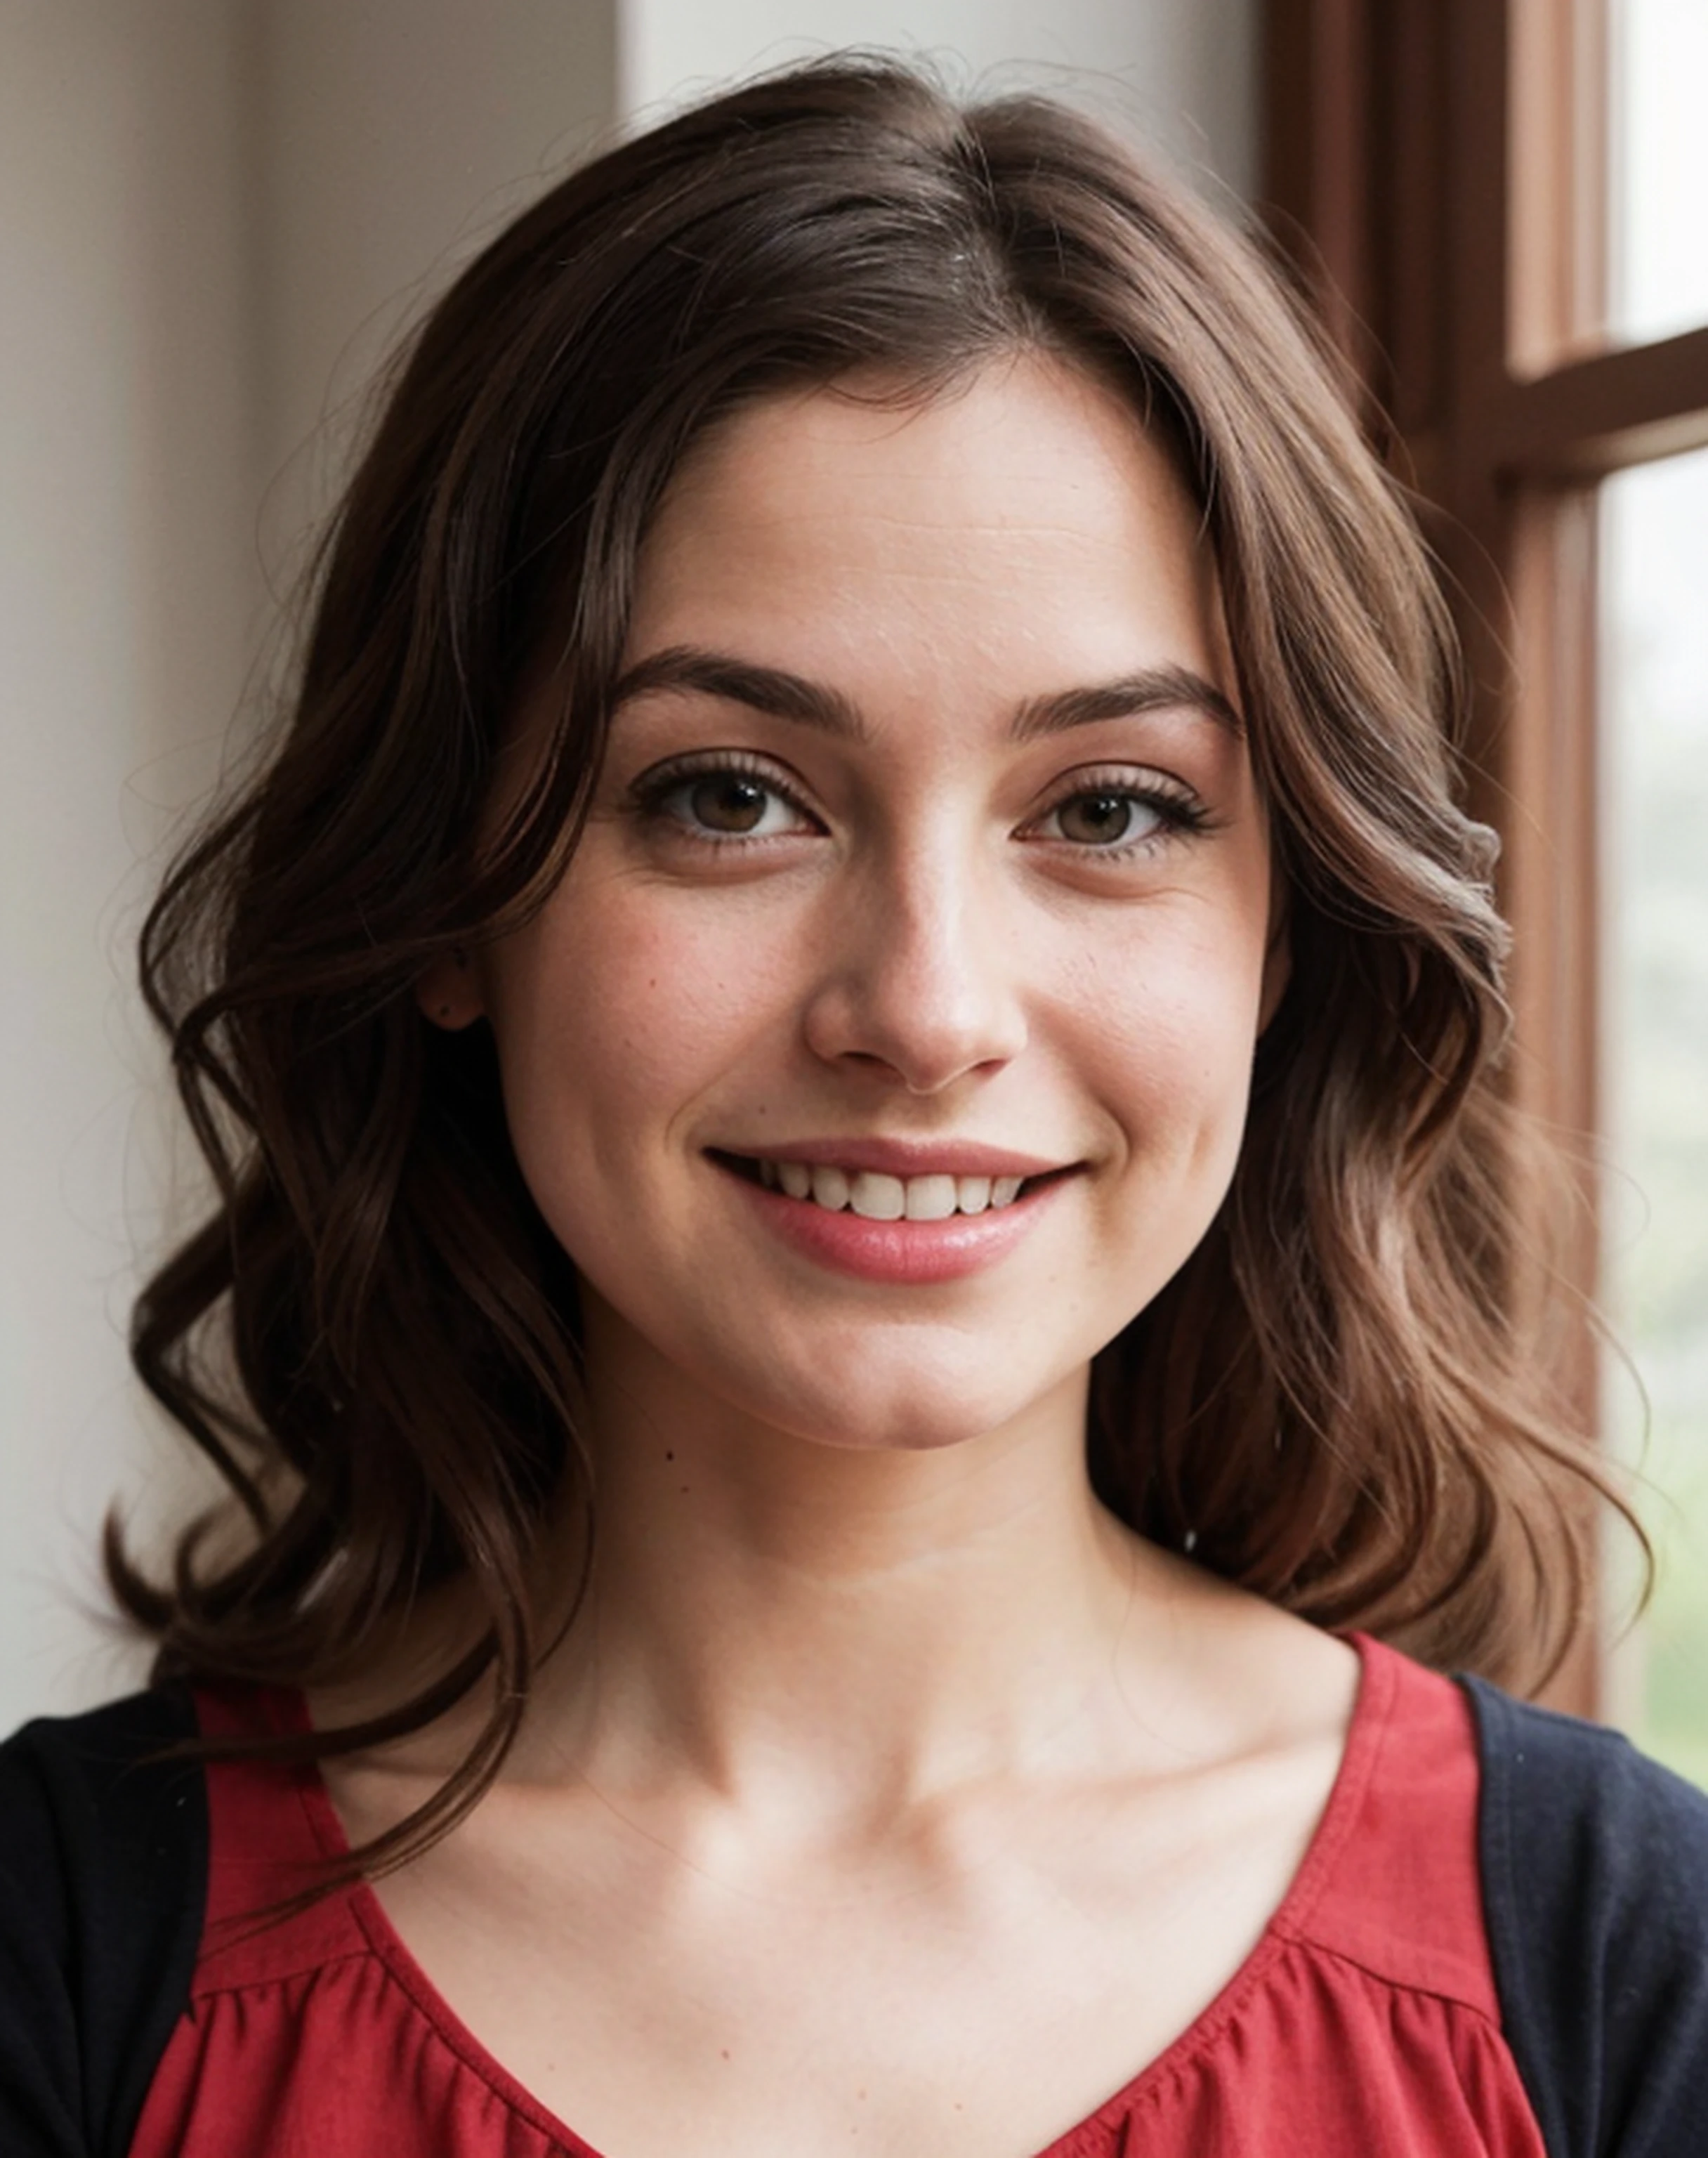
[1334, 1825]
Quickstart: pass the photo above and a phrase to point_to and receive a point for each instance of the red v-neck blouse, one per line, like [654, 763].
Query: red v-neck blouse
[1365, 2021]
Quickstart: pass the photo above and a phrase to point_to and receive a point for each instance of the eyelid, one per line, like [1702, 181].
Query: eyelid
[1183, 813]
[1146, 781]
[647, 794]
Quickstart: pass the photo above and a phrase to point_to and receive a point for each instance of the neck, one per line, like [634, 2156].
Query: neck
[831, 1627]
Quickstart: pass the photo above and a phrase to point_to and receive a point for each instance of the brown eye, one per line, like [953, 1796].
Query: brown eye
[720, 803]
[731, 802]
[1105, 817]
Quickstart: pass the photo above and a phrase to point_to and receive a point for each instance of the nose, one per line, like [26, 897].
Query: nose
[921, 976]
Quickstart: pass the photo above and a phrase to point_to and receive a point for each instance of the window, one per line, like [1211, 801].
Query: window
[1498, 203]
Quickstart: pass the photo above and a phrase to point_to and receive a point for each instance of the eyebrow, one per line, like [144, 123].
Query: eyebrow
[1148, 690]
[783, 695]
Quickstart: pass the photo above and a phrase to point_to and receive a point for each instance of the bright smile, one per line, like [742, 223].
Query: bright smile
[937, 1225]
[876, 1197]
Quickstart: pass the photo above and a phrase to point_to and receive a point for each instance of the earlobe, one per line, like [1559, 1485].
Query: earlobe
[449, 992]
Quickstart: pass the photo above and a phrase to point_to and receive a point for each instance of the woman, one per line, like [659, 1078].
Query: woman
[850, 1051]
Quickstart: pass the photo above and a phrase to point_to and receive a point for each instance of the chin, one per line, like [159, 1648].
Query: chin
[910, 1410]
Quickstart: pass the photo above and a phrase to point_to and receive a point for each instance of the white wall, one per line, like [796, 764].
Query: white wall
[1182, 72]
[209, 210]
[127, 486]
[214, 216]
[395, 137]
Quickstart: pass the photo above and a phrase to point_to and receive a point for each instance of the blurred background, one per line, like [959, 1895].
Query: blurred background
[216, 216]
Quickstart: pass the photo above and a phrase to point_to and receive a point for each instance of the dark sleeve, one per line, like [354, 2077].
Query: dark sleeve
[103, 1866]
[1595, 1883]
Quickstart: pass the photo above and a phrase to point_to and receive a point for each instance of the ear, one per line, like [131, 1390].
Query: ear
[449, 992]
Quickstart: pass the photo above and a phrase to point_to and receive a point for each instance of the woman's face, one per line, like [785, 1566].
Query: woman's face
[926, 858]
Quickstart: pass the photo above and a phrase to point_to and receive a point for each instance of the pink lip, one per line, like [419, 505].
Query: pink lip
[901, 1252]
[905, 1156]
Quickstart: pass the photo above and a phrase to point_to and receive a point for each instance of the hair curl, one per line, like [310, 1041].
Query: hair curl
[375, 1336]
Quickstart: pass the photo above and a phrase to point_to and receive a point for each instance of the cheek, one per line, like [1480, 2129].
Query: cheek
[612, 1016]
[1171, 1024]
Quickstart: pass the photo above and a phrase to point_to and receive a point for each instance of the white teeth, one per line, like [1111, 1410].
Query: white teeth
[876, 1197]
[935, 1197]
[830, 1188]
[930, 1198]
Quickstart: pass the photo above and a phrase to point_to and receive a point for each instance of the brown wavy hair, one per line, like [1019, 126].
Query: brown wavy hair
[375, 1337]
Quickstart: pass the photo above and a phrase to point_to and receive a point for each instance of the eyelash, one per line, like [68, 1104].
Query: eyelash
[1179, 813]
[651, 793]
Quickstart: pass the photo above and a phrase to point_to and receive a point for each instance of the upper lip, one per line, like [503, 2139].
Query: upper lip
[904, 1157]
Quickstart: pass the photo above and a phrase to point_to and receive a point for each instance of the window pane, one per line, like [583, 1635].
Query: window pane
[1654, 647]
[1658, 182]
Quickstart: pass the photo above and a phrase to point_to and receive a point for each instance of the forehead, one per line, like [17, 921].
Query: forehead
[1027, 506]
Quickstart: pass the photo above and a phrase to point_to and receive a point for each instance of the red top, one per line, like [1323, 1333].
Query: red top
[1365, 2020]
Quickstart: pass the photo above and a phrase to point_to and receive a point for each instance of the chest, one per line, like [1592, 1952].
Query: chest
[972, 1995]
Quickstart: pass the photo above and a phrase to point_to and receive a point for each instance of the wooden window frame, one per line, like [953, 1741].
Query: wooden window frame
[1427, 169]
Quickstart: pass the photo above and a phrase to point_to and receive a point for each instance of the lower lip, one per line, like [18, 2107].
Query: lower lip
[907, 1252]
